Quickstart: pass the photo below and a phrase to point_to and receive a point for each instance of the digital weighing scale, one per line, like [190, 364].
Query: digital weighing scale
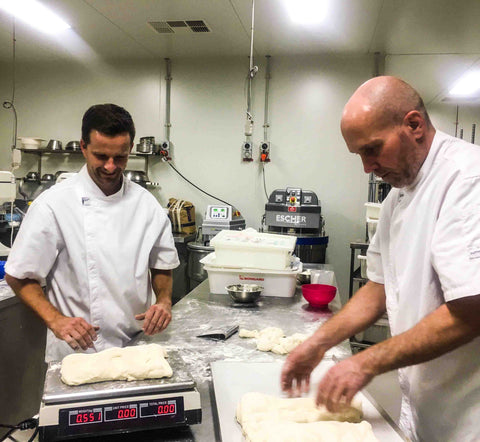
[114, 407]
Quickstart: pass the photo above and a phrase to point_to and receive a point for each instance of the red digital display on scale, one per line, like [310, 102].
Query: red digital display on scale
[156, 409]
[103, 418]
[85, 416]
[120, 413]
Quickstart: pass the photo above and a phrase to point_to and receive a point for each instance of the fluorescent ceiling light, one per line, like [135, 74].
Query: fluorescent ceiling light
[307, 11]
[469, 84]
[35, 14]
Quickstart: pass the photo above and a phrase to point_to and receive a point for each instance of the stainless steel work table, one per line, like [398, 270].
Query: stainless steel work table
[200, 311]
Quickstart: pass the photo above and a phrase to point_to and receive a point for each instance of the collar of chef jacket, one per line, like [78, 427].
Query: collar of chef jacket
[91, 190]
[428, 163]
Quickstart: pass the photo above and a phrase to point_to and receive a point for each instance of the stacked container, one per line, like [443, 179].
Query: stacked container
[248, 256]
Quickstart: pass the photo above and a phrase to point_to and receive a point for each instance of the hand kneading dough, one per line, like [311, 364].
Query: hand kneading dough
[115, 364]
[267, 418]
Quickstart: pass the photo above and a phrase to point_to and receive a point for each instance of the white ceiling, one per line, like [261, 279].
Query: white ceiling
[439, 38]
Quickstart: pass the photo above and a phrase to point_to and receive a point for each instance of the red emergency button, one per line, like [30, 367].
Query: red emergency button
[293, 200]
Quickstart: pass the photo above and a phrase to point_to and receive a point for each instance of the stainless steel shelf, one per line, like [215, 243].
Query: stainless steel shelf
[41, 152]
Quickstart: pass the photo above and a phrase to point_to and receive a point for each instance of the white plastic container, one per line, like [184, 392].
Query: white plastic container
[252, 249]
[373, 210]
[371, 227]
[31, 142]
[280, 283]
[363, 265]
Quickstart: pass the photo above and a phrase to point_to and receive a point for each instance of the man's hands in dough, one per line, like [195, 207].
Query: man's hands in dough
[341, 383]
[156, 318]
[76, 332]
[295, 378]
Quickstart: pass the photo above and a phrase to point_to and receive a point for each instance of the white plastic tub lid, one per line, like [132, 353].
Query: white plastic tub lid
[374, 205]
[251, 238]
[210, 264]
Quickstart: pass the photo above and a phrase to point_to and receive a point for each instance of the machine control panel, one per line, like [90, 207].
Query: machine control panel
[219, 213]
[294, 196]
[307, 199]
[293, 208]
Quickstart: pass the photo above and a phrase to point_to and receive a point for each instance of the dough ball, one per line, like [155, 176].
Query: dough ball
[268, 338]
[272, 339]
[286, 345]
[244, 333]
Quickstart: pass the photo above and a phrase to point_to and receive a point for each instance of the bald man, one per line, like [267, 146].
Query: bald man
[423, 269]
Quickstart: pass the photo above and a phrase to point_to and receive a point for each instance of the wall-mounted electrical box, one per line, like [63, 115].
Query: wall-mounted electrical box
[164, 150]
[265, 152]
[247, 149]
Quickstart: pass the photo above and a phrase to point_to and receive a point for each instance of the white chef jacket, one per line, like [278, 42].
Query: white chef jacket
[94, 252]
[427, 251]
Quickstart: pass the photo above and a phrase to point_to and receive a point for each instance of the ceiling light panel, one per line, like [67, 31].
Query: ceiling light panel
[307, 11]
[35, 14]
[469, 84]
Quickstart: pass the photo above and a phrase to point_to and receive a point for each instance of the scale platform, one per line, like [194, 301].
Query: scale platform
[116, 407]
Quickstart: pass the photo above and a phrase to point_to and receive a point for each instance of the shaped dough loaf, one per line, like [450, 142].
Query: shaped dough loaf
[129, 363]
[326, 431]
[259, 407]
[267, 418]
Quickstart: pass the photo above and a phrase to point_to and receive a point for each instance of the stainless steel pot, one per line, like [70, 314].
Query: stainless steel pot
[32, 177]
[73, 145]
[137, 176]
[58, 173]
[146, 145]
[54, 145]
[195, 271]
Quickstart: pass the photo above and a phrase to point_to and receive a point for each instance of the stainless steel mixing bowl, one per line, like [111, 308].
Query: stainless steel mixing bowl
[244, 293]
[304, 277]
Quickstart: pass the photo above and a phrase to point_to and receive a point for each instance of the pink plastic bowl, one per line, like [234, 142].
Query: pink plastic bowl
[319, 295]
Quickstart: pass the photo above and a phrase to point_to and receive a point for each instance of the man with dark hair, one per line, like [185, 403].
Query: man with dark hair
[423, 269]
[101, 245]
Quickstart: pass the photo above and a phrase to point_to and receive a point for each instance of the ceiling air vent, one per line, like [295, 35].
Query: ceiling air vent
[197, 25]
[179, 26]
[161, 27]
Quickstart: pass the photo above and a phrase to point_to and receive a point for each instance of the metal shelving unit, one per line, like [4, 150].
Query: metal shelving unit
[378, 331]
[41, 152]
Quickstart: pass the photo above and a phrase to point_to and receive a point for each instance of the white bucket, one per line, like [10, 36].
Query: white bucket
[363, 265]
[373, 210]
[371, 227]
[280, 283]
[249, 248]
